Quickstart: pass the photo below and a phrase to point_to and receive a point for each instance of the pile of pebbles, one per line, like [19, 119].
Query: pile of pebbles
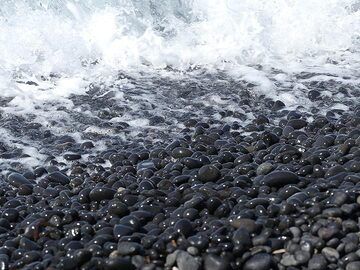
[246, 184]
[276, 196]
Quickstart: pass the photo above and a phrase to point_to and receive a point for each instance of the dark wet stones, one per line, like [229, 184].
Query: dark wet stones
[278, 105]
[261, 261]
[331, 254]
[122, 230]
[184, 227]
[241, 237]
[16, 180]
[334, 171]
[317, 262]
[185, 261]
[297, 123]
[244, 223]
[58, 178]
[264, 168]
[213, 262]
[353, 265]
[192, 163]
[274, 189]
[280, 178]
[101, 193]
[328, 232]
[181, 152]
[129, 248]
[118, 208]
[28, 244]
[10, 214]
[209, 173]
[338, 198]
[118, 263]
[71, 157]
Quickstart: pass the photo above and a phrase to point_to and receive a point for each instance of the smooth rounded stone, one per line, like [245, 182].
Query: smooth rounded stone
[192, 251]
[122, 230]
[10, 214]
[74, 245]
[241, 237]
[66, 263]
[181, 152]
[71, 157]
[244, 223]
[118, 208]
[297, 123]
[326, 233]
[338, 198]
[132, 221]
[191, 214]
[28, 244]
[4, 262]
[209, 173]
[171, 258]
[185, 261]
[199, 241]
[302, 256]
[264, 168]
[118, 263]
[58, 177]
[253, 203]
[101, 193]
[25, 189]
[129, 248]
[332, 255]
[205, 139]
[297, 198]
[335, 170]
[17, 179]
[39, 171]
[81, 256]
[213, 203]
[317, 262]
[280, 178]
[278, 105]
[332, 212]
[12, 203]
[184, 227]
[147, 164]
[87, 145]
[260, 261]
[353, 265]
[288, 191]
[213, 262]
[288, 259]
[354, 166]
[192, 163]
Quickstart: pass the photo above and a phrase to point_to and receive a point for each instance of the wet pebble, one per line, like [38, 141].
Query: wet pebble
[260, 261]
[101, 193]
[280, 178]
[209, 173]
[16, 180]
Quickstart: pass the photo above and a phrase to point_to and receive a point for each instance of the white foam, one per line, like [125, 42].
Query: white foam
[262, 42]
[61, 34]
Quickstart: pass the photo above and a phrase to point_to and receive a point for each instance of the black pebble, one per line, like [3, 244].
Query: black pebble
[260, 261]
[209, 173]
[280, 178]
